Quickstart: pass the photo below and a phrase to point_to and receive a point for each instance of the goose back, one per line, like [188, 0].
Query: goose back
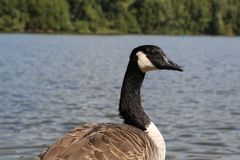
[104, 141]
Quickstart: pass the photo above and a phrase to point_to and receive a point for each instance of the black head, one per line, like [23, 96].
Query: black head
[150, 57]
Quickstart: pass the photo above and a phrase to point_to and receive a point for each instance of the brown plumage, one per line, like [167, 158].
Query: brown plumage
[102, 142]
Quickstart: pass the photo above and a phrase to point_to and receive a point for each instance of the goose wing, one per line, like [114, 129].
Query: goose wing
[102, 142]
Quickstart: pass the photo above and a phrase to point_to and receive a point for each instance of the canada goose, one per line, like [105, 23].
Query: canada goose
[138, 138]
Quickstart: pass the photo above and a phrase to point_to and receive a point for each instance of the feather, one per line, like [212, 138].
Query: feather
[103, 141]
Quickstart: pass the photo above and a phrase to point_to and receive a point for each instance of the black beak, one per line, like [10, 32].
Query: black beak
[168, 64]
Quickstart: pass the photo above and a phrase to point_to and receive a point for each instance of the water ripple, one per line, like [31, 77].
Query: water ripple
[50, 84]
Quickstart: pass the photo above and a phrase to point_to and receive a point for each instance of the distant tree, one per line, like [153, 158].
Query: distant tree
[13, 15]
[120, 16]
[231, 17]
[199, 16]
[161, 16]
[181, 17]
[45, 15]
[216, 25]
[87, 16]
[237, 23]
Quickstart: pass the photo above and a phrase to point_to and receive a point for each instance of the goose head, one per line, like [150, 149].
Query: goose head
[150, 57]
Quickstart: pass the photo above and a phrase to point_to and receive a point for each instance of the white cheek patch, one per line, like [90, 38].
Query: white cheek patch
[144, 63]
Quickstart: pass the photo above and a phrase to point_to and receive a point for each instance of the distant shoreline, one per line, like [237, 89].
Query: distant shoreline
[138, 17]
[117, 34]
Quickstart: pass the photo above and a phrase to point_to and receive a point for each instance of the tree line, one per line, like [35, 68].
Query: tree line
[194, 17]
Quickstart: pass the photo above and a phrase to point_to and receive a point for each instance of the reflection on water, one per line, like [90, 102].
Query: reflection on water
[49, 84]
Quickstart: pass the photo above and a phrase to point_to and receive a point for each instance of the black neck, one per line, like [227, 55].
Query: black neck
[130, 107]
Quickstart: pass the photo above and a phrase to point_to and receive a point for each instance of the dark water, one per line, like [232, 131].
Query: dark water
[50, 84]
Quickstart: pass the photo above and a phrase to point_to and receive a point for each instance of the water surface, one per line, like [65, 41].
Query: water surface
[51, 83]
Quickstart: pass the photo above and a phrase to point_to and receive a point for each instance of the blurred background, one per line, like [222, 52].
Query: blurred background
[211, 17]
[62, 64]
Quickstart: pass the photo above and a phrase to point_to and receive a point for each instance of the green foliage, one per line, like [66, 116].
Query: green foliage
[81, 27]
[48, 15]
[199, 15]
[86, 15]
[217, 24]
[13, 15]
[120, 16]
[214, 17]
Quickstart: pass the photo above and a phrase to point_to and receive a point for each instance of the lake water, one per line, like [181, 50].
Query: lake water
[51, 83]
